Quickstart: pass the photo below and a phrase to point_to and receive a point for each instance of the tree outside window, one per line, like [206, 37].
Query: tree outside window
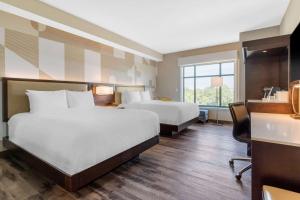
[197, 80]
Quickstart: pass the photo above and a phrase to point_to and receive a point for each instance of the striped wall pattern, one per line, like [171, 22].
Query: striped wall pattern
[32, 50]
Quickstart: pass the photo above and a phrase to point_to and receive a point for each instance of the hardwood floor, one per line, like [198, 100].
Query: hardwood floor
[191, 166]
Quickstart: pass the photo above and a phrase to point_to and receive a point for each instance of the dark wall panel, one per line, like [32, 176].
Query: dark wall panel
[295, 55]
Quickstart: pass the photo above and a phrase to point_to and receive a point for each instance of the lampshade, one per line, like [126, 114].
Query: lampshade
[296, 85]
[295, 99]
[216, 81]
[104, 90]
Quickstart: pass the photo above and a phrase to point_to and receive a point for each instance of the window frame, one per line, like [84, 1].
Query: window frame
[208, 76]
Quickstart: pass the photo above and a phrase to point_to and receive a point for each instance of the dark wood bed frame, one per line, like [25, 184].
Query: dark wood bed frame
[171, 130]
[76, 181]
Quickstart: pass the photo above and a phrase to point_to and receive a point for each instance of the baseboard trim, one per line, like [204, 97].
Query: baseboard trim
[220, 121]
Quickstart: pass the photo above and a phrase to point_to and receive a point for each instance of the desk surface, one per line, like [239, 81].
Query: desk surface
[261, 101]
[275, 128]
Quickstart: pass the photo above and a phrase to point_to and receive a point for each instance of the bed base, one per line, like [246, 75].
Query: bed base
[171, 130]
[76, 181]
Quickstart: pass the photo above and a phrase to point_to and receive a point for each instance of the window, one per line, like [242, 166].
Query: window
[197, 84]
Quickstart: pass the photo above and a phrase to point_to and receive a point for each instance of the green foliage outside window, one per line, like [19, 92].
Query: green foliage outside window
[209, 96]
[196, 83]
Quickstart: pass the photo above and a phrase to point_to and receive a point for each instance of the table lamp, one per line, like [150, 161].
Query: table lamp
[103, 90]
[217, 82]
[295, 97]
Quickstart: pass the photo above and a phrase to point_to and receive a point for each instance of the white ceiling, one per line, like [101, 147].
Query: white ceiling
[175, 25]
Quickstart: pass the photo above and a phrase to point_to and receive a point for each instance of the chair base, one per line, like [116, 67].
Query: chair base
[238, 176]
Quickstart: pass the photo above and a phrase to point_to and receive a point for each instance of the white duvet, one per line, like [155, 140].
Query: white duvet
[77, 139]
[173, 113]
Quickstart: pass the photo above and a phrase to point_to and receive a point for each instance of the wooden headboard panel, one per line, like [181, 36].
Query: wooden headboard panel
[121, 88]
[15, 100]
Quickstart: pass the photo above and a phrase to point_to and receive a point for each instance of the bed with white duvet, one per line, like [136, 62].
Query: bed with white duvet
[63, 135]
[173, 113]
[66, 130]
[169, 112]
[79, 138]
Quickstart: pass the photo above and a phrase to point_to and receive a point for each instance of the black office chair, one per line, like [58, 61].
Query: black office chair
[241, 132]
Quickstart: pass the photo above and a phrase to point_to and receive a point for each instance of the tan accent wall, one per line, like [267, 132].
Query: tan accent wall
[13, 22]
[260, 33]
[74, 63]
[67, 38]
[43, 75]
[24, 45]
[60, 16]
[115, 69]
[2, 61]
[29, 49]
[50, 53]
[291, 18]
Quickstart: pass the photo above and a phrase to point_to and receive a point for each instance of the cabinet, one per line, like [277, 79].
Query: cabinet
[266, 65]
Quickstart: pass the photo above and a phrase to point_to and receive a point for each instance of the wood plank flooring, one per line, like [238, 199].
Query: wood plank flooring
[191, 166]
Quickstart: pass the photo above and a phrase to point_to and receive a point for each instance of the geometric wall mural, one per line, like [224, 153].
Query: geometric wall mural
[92, 66]
[1, 36]
[16, 66]
[52, 58]
[32, 50]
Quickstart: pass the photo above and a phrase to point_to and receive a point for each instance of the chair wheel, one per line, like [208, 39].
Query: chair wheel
[231, 163]
[238, 177]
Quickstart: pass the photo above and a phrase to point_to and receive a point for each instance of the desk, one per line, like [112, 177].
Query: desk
[269, 107]
[275, 152]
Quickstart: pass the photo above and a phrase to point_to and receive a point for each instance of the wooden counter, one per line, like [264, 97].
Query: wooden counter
[275, 152]
[269, 107]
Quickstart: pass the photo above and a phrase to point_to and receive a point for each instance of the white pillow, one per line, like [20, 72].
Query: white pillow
[45, 102]
[80, 99]
[131, 97]
[145, 95]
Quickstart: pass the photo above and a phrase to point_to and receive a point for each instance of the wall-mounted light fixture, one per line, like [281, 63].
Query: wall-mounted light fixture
[103, 90]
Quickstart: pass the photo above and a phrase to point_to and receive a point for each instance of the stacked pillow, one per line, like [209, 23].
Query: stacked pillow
[52, 101]
[80, 99]
[145, 95]
[135, 96]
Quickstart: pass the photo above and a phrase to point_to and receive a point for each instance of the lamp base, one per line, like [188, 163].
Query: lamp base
[295, 116]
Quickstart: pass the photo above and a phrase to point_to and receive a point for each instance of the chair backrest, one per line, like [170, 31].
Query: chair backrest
[241, 120]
